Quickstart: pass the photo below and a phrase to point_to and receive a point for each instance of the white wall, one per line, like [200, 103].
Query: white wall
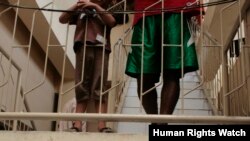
[61, 29]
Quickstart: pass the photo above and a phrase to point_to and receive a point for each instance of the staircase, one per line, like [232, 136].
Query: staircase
[194, 103]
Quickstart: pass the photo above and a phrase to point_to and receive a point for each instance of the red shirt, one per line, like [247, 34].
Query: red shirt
[169, 6]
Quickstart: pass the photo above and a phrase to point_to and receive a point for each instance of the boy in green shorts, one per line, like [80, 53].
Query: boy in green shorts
[150, 45]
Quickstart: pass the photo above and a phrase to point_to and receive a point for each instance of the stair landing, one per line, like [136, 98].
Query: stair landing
[68, 136]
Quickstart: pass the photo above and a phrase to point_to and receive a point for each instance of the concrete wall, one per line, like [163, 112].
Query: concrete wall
[39, 99]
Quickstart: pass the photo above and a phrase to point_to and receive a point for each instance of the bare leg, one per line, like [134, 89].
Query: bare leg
[170, 93]
[80, 108]
[101, 124]
[149, 100]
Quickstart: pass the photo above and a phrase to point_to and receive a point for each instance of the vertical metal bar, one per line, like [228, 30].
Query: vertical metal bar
[102, 70]
[13, 38]
[29, 48]
[59, 105]
[17, 98]
[224, 67]
[242, 57]
[142, 62]
[182, 62]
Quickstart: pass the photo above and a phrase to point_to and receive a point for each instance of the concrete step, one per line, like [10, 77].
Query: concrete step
[68, 136]
[189, 103]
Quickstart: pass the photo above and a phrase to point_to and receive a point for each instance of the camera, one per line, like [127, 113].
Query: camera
[87, 12]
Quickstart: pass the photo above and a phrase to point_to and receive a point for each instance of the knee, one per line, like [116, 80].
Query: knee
[81, 93]
[173, 76]
[78, 89]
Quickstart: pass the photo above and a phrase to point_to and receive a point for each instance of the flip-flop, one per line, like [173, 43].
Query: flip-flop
[73, 129]
[106, 130]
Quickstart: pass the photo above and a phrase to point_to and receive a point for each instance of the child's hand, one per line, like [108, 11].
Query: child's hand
[86, 4]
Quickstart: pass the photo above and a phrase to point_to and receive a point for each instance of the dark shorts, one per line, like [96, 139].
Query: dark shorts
[89, 85]
[152, 47]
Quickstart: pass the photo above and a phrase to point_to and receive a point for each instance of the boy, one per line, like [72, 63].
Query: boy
[152, 52]
[90, 38]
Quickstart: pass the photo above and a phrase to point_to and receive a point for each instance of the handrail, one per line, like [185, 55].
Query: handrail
[130, 118]
[127, 117]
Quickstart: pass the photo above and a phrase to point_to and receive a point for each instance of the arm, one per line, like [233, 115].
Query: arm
[107, 18]
[65, 16]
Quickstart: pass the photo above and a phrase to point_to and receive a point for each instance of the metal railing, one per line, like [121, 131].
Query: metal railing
[216, 78]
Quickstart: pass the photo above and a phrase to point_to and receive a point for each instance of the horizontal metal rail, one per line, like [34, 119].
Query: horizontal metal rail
[128, 118]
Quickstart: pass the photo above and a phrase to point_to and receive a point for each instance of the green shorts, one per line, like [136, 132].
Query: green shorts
[172, 56]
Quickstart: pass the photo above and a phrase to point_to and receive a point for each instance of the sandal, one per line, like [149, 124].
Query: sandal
[106, 130]
[73, 129]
